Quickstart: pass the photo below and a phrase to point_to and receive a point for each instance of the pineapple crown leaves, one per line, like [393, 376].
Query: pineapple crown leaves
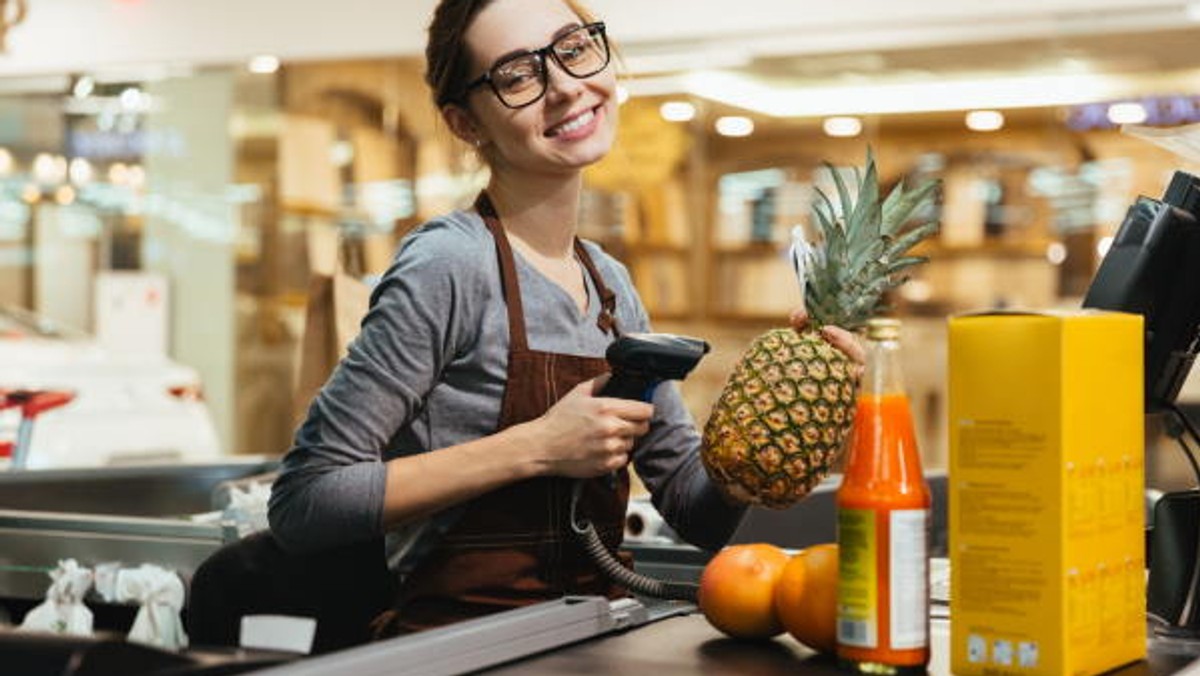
[863, 251]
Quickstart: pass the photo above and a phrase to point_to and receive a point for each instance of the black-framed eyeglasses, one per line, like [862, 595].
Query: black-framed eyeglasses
[520, 80]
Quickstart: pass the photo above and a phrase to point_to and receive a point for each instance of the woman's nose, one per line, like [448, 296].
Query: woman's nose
[559, 83]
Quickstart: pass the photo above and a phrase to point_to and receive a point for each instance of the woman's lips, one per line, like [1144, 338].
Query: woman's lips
[576, 127]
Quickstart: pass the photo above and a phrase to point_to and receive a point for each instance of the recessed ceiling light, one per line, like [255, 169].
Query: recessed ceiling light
[80, 171]
[341, 154]
[1127, 113]
[263, 64]
[842, 126]
[31, 194]
[985, 120]
[1056, 253]
[677, 111]
[64, 195]
[84, 86]
[49, 169]
[132, 99]
[735, 125]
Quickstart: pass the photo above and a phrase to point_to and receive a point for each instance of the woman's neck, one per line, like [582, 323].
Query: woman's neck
[542, 214]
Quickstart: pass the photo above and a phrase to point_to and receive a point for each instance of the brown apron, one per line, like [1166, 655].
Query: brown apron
[514, 546]
[511, 547]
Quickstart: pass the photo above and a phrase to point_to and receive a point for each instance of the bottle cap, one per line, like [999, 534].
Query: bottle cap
[883, 328]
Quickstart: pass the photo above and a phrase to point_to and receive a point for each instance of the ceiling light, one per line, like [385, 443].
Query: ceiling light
[1192, 11]
[263, 64]
[341, 154]
[84, 86]
[1127, 113]
[893, 97]
[49, 169]
[1056, 253]
[985, 120]
[131, 98]
[136, 176]
[30, 193]
[677, 111]
[64, 195]
[81, 171]
[118, 173]
[842, 126]
[735, 125]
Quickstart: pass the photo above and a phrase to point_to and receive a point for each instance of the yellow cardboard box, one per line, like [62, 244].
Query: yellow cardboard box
[1046, 493]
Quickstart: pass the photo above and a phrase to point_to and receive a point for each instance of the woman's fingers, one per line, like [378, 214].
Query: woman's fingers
[840, 338]
[586, 435]
[799, 319]
[846, 342]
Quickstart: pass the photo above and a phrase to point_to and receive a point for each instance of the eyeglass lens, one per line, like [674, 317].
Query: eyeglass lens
[581, 53]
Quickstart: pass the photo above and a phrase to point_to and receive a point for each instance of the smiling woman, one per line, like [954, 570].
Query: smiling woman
[464, 414]
[575, 122]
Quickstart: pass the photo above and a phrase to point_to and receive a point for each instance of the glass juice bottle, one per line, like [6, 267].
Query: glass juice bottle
[883, 521]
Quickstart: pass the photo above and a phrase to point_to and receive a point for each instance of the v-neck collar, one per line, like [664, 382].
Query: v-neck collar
[605, 311]
[579, 314]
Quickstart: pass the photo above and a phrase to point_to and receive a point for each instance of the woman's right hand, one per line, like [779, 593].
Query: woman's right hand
[583, 435]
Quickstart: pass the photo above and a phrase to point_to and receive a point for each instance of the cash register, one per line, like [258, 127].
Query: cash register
[1152, 268]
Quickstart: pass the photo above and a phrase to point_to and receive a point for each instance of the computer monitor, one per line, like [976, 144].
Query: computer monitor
[1153, 269]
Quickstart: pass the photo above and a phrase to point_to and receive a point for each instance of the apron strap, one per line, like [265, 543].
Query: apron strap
[508, 273]
[607, 318]
[607, 321]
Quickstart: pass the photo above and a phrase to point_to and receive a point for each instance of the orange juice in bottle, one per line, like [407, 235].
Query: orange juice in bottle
[883, 521]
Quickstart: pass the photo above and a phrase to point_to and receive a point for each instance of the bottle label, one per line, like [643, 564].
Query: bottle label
[857, 591]
[908, 575]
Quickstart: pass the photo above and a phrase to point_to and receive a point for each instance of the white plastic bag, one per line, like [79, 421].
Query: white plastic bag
[160, 593]
[248, 508]
[105, 580]
[63, 611]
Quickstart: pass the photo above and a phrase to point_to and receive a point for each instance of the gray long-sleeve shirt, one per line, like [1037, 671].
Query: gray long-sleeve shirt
[428, 371]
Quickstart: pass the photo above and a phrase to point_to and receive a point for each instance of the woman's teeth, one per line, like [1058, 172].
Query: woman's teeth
[574, 125]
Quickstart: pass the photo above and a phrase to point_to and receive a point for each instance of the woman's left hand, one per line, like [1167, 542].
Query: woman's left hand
[840, 338]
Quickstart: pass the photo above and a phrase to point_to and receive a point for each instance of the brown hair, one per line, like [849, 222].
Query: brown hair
[447, 62]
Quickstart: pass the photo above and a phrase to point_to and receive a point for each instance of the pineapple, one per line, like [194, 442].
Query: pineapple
[778, 426]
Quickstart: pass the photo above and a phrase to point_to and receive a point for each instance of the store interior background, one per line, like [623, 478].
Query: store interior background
[207, 141]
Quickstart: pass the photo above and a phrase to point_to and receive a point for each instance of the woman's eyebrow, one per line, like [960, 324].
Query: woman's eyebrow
[567, 28]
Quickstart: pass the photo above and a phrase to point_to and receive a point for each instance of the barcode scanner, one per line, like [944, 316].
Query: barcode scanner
[640, 363]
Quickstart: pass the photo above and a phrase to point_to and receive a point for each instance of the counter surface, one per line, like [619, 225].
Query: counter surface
[689, 645]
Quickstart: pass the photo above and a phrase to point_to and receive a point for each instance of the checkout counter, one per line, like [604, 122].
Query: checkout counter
[167, 515]
[584, 635]
[163, 516]
[674, 644]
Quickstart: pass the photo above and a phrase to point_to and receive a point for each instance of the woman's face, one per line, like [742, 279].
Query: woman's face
[571, 126]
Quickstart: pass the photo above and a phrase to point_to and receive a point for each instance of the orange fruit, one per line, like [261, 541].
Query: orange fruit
[737, 590]
[806, 597]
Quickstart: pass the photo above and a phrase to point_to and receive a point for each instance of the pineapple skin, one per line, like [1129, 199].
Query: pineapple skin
[779, 424]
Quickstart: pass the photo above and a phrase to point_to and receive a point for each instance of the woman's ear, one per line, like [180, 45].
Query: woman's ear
[462, 124]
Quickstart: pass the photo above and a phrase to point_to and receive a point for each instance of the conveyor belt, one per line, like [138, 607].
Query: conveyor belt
[487, 641]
